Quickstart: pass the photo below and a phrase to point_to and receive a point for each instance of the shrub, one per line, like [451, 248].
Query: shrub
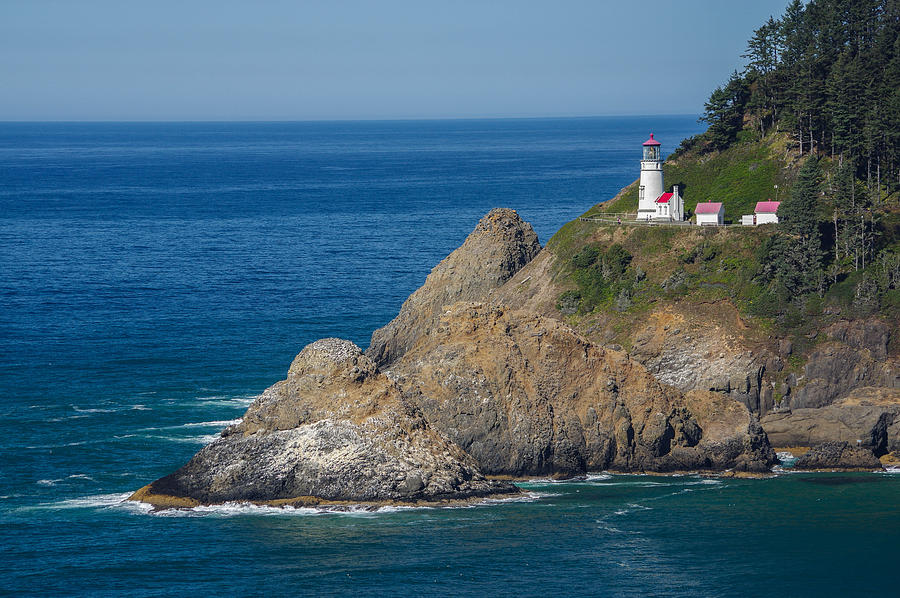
[586, 257]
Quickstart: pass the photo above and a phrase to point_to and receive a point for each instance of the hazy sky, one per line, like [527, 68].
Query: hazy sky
[306, 59]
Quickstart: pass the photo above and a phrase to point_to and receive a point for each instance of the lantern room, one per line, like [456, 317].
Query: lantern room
[651, 149]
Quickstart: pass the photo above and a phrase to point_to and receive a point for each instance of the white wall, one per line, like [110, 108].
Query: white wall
[766, 218]
[710, 219]
[652, 181]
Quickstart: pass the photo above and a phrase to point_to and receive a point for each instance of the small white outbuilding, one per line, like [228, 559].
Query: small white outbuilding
[710, 213]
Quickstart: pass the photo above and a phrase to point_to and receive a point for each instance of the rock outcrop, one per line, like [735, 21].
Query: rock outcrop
[501, 244]
[868, 415]
[834, 370]
[334, 431]
[838, 456]
[689, 348]
[527, 395]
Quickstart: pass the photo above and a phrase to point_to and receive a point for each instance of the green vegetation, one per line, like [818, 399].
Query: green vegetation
[828, 73]
[603, 277]
[741, 175]
[794, 255]
[815, 112]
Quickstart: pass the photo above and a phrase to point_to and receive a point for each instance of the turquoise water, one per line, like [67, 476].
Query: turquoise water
[155, 277]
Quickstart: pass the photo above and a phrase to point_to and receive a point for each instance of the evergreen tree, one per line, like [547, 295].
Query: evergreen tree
[796, 254]
[724, 111]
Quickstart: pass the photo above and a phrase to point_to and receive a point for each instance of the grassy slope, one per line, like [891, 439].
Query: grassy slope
[740, 176]
[718, 265]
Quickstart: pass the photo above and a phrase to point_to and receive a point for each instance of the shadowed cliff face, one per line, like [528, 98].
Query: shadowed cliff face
[500, 246]
[334, 430]
[527, 395]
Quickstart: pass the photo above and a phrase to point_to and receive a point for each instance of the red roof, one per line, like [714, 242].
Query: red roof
[652, 141]
[767, 207]
[708, 207]
[664, 198]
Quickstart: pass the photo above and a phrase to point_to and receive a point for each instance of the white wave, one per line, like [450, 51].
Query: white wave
[787, 459]
[534, 494]
[74, 476]
[779, 470]
[223, 423]
[703, 482]
[203, 439]
[200, 439]
[637, 483]
[228, 401]
[892, 469]
[524, 497]
[233, 509]
[582, 479]
[87, 502]
[398, 509]
[91, 410]
[66, 418]
[610, 528]
[141, 408]
[56, 446]
[598, 477]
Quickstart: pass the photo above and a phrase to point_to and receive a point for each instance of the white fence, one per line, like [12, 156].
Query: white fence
[631, 220]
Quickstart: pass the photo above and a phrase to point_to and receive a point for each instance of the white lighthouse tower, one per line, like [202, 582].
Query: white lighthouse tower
[651, 180]
[653, 204]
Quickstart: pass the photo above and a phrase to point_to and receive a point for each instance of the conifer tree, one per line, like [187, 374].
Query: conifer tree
[797, 250]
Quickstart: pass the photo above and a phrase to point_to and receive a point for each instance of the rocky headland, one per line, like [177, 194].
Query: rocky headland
[483, 376]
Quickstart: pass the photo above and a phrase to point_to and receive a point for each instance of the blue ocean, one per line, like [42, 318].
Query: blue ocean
[155, 277]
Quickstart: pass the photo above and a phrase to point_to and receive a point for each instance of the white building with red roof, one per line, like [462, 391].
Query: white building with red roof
[767, 212]
[653, 203]
[710, 213]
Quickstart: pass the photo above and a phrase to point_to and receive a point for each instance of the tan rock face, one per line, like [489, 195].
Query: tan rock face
[526, 395]
[334, 430]
[500, 246]
[869, 415]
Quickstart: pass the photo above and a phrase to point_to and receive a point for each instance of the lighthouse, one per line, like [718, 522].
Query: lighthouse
[653, 204]
[651, 179]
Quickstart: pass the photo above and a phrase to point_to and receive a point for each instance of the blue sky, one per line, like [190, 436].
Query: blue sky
[310, 60]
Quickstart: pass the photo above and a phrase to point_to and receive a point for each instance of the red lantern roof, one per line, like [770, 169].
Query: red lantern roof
[652, 141]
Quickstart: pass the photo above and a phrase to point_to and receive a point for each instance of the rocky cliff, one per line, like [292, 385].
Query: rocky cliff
[689, 332]
[501, 244]
[527, 395]
[335, 431]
